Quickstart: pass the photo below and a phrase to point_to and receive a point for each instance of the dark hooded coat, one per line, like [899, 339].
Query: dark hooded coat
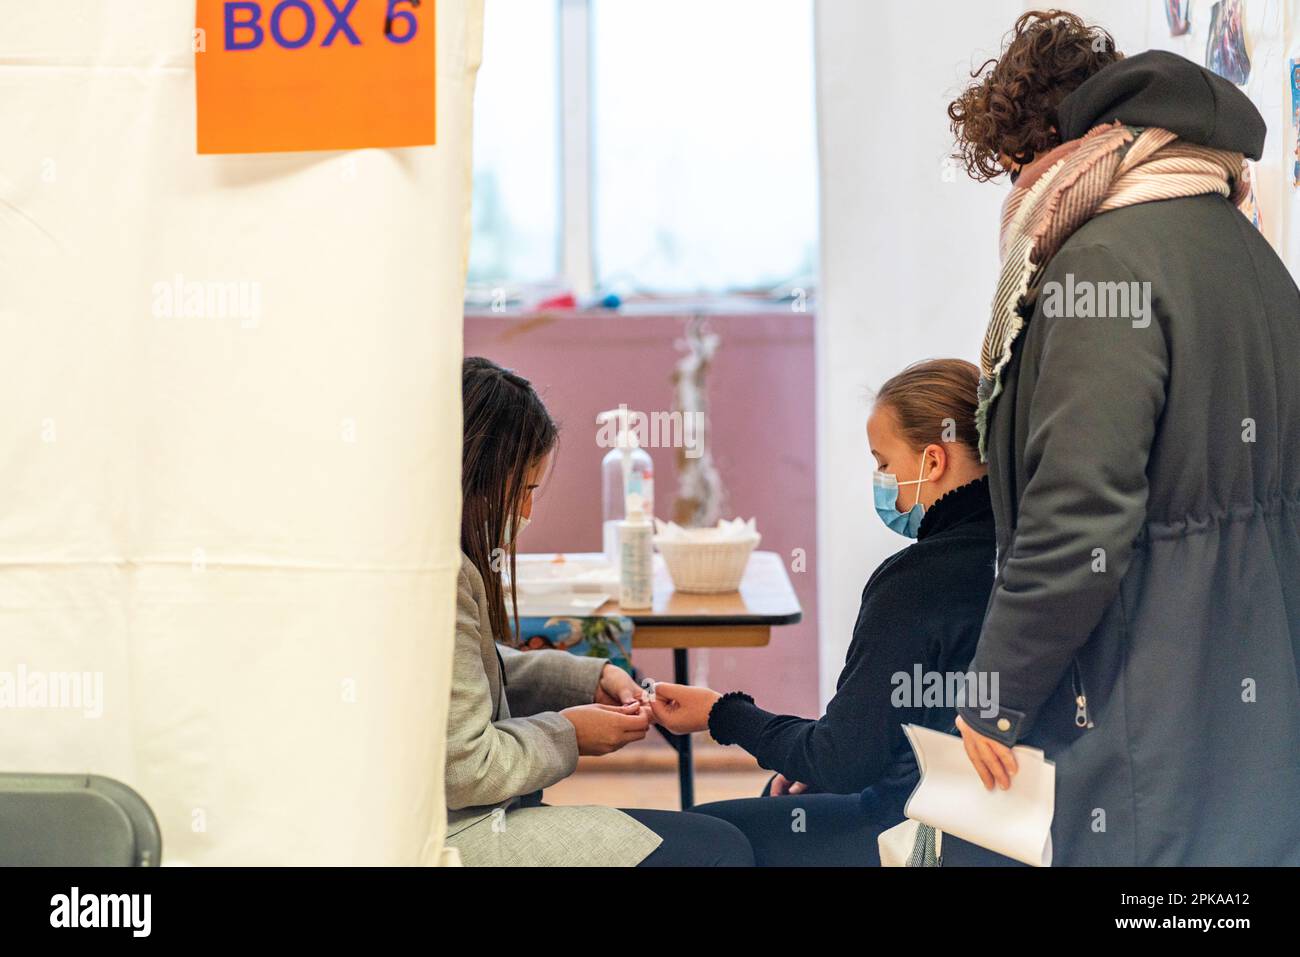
[1145, 622]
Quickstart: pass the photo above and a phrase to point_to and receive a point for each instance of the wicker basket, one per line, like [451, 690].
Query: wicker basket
[704, 567]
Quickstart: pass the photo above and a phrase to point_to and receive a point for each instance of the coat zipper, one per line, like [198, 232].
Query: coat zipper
[1081, 719]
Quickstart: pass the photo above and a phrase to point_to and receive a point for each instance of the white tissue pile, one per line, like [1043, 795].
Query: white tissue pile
[733, 530]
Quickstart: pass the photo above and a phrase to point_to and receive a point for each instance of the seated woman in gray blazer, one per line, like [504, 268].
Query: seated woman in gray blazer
[519, 720]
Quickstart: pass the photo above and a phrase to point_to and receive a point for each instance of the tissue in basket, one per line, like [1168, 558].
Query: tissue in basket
[706, 560]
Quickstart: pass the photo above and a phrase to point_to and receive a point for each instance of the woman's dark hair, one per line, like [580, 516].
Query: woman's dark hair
[1010, 109]
[507, 431]
[934, 399]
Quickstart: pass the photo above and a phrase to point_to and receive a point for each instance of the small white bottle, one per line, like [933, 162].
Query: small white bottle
[636, 557]
[625, 470]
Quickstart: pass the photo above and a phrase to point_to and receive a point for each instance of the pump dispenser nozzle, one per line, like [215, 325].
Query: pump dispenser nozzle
[625, 471]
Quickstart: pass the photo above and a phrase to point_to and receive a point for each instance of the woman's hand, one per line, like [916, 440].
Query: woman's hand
[993, 760]
[603, 728]
[682, 708]
[616, 687]
[783, 785]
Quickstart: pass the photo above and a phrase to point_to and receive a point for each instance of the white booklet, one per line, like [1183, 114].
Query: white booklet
[1016, 823]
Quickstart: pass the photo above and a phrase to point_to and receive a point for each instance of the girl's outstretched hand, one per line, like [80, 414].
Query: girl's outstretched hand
[682, 708]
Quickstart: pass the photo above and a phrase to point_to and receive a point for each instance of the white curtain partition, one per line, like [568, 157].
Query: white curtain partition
[229, 448]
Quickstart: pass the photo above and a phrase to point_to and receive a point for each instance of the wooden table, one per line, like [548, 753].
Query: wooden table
[739, 619]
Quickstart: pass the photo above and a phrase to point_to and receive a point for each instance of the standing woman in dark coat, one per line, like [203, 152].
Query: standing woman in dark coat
[849, 772]
[1142, 414]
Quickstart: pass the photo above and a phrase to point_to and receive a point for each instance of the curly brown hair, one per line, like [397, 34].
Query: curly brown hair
[1010, 109]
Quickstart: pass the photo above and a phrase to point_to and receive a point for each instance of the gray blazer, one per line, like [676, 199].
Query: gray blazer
[506, 741]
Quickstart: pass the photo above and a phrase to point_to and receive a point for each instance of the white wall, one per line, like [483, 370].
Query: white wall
[908, 244]
[907, 255]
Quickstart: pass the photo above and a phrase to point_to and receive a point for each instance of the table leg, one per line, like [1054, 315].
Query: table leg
[685, 765]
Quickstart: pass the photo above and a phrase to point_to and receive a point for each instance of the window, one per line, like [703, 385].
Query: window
[684, 159]
[705, 171]
[516, 213]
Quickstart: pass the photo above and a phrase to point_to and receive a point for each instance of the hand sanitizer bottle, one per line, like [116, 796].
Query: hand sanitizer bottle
[626, 470]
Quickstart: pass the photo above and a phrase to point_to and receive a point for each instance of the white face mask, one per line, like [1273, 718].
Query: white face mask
[512, 530]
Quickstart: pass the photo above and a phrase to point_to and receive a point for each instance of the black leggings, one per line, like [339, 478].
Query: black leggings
[693, 840]
[810, 830]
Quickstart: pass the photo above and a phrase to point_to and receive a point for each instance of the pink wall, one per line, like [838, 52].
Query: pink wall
[761, 434]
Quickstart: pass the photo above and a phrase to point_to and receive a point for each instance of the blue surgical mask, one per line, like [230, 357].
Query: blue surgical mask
[885, 490]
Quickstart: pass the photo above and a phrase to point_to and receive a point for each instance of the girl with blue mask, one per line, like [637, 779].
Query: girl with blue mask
[923, 443]
[849, 772]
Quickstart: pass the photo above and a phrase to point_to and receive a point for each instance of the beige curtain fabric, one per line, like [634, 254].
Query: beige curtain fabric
[229, 448]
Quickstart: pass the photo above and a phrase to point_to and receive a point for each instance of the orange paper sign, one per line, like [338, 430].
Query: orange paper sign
[276, 75]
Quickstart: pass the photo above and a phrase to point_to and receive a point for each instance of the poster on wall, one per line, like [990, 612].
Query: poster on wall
[1225, 50]
[1295, 123]
[1250, 205]
[284, 75]
[1179, 15]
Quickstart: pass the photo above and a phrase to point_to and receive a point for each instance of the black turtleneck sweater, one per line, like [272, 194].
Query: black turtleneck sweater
[922, 607]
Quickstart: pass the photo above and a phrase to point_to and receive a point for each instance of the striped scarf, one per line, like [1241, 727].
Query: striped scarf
[1109, 167]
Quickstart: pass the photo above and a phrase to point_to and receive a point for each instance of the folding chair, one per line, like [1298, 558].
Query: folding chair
[75, 820]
